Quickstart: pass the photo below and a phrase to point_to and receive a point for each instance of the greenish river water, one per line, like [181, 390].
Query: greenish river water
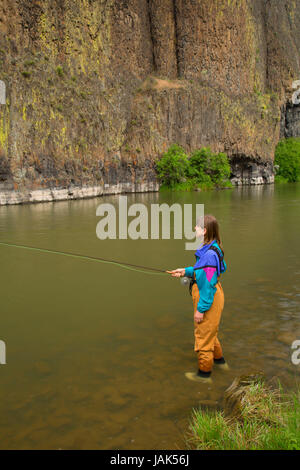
[96, 354]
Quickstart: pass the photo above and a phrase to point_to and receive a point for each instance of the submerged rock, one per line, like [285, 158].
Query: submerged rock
[42, 368]
[165, 321]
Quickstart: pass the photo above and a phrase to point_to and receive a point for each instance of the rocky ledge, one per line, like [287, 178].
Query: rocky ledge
[8, 197]
[246, 171]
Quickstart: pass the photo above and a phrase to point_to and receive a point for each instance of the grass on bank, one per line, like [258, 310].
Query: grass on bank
[202, 170]
[269, 420]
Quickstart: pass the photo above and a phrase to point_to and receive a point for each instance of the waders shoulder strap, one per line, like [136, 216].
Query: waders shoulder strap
[215, 249]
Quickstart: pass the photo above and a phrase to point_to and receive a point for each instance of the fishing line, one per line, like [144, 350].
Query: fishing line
[131, 267]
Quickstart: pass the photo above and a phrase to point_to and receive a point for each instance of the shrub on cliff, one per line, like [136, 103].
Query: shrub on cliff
[203, 170]
[220, 170]
[199, 162]
[287, 157]
[210, 169]
[173, 166]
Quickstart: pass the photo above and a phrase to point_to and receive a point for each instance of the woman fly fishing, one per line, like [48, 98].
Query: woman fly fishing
[208, 298]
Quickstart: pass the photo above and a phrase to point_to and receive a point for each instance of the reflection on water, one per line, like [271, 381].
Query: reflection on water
[96, 354]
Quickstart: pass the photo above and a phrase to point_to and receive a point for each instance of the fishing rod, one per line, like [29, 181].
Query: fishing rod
[131, 267]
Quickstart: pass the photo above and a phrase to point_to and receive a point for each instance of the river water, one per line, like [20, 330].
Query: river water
[96, 354]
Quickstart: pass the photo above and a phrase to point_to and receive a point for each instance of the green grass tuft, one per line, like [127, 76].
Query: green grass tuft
[270, 420]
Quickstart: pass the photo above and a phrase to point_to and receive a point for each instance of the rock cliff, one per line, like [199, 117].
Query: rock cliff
[96, 90]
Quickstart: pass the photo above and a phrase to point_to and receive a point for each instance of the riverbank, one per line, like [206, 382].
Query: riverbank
[256, 416]
[73, 192]
[176, 171]
[12, 197]
[27, 196]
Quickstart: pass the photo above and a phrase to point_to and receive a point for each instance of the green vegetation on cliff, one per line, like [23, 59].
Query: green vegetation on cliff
[287, 157]
[265, 419]
[203, 169]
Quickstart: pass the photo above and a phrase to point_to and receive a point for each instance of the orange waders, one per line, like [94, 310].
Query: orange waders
[207, 344]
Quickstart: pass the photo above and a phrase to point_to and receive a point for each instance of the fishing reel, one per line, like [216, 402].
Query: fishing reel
[184, 281]
[187, 281]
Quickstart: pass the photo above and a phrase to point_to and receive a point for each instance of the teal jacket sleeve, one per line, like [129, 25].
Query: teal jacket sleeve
[189, 272]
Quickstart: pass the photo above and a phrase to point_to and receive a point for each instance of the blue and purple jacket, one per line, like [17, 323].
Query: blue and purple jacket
[207, 270]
